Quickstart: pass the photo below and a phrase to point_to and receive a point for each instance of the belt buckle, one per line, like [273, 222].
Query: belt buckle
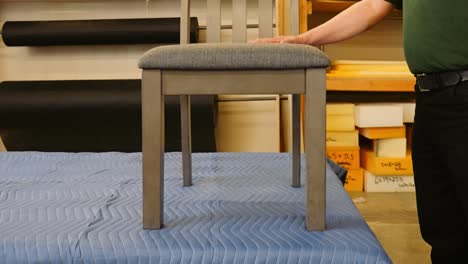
[418, 82]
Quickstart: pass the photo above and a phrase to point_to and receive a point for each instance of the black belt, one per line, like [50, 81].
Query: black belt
[436, 81]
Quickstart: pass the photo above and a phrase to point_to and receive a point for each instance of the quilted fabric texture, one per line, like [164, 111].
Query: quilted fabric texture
[86, 208]
[234, 57]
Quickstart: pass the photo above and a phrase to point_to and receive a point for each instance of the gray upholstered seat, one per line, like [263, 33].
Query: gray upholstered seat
[234, 57]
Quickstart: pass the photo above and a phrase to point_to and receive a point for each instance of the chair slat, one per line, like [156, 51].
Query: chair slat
[265, 18]
[213, 21]
[239, 21]
[185, 21]
[294, 16]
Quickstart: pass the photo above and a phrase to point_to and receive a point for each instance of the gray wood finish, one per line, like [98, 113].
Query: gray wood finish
[239, 21]
[153, 150]
[233, 82]
[186, 133]
[265, 18]
[296, 140]
[185, 22]
[311, 82]
[213, 21]
[314, 135]
[185, 116]
[157, 84]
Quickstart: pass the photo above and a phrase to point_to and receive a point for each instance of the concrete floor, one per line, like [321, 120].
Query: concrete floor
[394, 220]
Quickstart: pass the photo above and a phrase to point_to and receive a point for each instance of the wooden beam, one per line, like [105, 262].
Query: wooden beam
[280, 17]
[303, 13]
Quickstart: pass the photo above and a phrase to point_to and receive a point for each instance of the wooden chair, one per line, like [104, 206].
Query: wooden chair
[234, 69]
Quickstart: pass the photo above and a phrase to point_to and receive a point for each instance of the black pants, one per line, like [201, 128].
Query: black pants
[440, 161]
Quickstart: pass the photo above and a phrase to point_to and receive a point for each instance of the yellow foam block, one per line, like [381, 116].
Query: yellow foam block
[383, 132]
[376, 66]
[342, 138]
[355, 180]
[340, 109]
[340, 123]
[347, 157]
[386, 166]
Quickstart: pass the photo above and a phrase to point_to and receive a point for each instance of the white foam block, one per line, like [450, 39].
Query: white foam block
[379, 115]
[408, 112]
[374, 183]
[390, 147]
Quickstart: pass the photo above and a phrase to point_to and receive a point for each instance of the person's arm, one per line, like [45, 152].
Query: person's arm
[347, 24]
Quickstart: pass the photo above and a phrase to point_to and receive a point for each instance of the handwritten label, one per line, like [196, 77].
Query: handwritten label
[389, 179]
[395, 165]
[355, 180]
[350, 180]
[406, 185]
[346, 158]
[400, 181]
[341, 156]
[393, 183]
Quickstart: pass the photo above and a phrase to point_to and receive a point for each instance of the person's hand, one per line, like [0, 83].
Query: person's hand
[279, 39]
[299, 39]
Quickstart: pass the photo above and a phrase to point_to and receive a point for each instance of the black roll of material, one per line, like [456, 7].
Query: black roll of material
[87, 32]
[91, 116]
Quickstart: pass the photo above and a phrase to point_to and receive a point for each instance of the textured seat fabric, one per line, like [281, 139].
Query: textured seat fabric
[234, 57]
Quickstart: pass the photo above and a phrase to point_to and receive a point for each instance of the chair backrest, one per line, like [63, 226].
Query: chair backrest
[239, 20]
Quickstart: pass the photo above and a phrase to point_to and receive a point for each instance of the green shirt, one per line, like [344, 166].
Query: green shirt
[435, 34]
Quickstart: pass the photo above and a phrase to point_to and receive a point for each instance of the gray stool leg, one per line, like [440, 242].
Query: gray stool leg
[186, 134]
[296, 140]
[314, 136]
[153, 150]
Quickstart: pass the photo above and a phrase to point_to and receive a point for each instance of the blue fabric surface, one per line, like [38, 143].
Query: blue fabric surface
[86, 208]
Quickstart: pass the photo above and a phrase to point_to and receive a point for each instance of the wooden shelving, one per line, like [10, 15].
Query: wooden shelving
[336, 6]
[370, 76]
[331, 6]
